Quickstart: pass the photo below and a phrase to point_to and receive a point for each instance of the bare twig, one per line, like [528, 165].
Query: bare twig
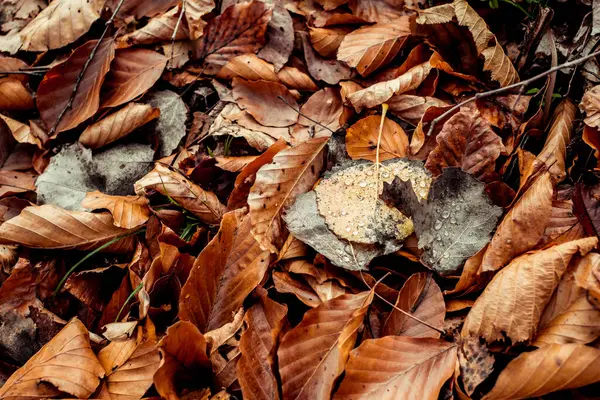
[174, 35]
[509, 87]
[85, 67]
[299, 112]
[22, 72]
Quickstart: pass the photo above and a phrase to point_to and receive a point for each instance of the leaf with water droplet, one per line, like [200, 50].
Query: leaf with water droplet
[472, 222]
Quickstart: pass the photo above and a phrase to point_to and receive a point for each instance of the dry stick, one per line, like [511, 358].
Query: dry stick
[85, 67]
[303, 115]
[175, 33]
[24, 72]
[509, 87]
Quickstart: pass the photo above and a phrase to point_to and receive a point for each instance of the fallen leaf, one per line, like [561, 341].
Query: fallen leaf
[21, 132]
[467, 16]
[215, 290]
[56, 88]
[548, 369]
[326, 41]
[293, 78]
[586, 206]
[293, 171]
[455, 221]
[466, 141]
[554, 152]
[205, 205]
[270, 103]
[371, 47]
[14, 96]
[412, 108]
[322, 69]
[132, 73]
[59, 24]
[312, 355]
[436, 15]
[13, 182]
[326, 112]
[178, 53]
[127, 211]
[376, 11]
[234, 164]
[512, 304]
[400, 367]
[170, 127]
[522, 227]
[280, 37]
[78, 374]
[238, 30]
[264, 321]
[158, 29]
[220, 336]
[500, 66]
[476, 363]
[285, 283]
[248, 67]
[117, 125]
[590, 104]
[363, 136]
[194, 11]
[122, 165]
[421, 297]
[139, 10]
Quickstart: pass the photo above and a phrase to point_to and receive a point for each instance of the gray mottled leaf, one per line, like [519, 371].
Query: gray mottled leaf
[121, 166]
[455, 221]
[171, 123]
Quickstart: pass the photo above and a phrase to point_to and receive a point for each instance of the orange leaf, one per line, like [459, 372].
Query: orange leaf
[224, 273]
[13, 182]
[421, 297]
[194, 10]
[312, 355]
[127, 211]
[590, 103]
[554, 152]
[324, 107]
[266, 102]
[55, 89]
[14, 96]
[285, 283]
[398, 368]
[412, 108]
[21, 132]
[158, 29]
[248, 67]
[293, 78]
[326, 41]
[65, 364]
[361, 139]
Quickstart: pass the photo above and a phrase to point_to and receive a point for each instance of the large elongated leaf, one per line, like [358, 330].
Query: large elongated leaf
[554, 152]
[65, 364]
[312, 355]
[59, 24]
[55, 89]
[239, 29]
[548, 369]
[224, 273]
[372, 47]
[398, 368]
[292, 172]
[513, 302]
[132, 72]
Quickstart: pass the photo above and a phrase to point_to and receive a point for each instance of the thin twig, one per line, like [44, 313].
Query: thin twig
[303, 115]
[23, 72]
[507, 88]
[85, 67]
[175, 33]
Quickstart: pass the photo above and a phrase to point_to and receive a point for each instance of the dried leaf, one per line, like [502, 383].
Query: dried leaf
[264, 321]
[14, 96]
[398, 367]
[170, 127]
[127, 211]
[57, 86]
[248, 67]
[436, 15]
[554, 152]
[590, 104]
[522, 227]
[59, 24]
[21, 132]
[371, 47]
[362, 138]
[78, 374]
[548, 369]
[412, 108]
[293, 171]
[312, 355]
[376, 11]
[194, 10]
[512, 303]
[238, 30]
[466, 141]
[326, 41]
[421, 297]
[476, 363]
[13, 182]
[270, 103]
[324, 107]
[500, 66]
[205, 205]
[158, 29]
[467, 16]
[280, 37]
[293, 78]
[285, 283]
[132, 73]
[225, 272]
[118, 124]
[329, 71]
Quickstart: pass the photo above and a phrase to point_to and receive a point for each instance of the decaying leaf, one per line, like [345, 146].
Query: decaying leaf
[158, 29]
[127, 211]
[322, 114]
[412, 108]
[329, 71]
[194, 10]
[554, 152]
[170, 127]
[14, 96]
[476, 363]
[270, 103]
[280, 37]
[326, 41]
[590, 104]
[362, 138]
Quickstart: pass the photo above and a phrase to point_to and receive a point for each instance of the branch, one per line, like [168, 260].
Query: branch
[85, 67]
[509, 87]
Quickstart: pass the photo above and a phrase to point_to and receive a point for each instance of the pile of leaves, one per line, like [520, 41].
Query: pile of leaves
[299, 199]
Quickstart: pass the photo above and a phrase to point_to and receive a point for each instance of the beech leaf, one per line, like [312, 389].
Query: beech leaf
[554, 152]
[362, 137]
[127, 211]
[266, 102]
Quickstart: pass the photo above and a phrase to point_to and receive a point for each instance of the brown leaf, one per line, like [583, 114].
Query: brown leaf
[65, 364]
[476, 363]
[371, 47]
[127, 211]
[398, 368]
[55, 89]
[329, 71]
[248, 67]
[234, 164]
[362, 137]
[194, 10]
[240, 29]
[467, 16]
[264, 321]
[132, 73]
[158, 29]
[59, 24]
[436, 15]
[56, 228]
[148, 8]
[554, 152]
[285, 283]
[466, 141]
[205, 205]
[326, 41]
[293, 78]
[14, 96]
[412, 108]
[381, 92]
[225, 272]
[500, 66]
[270, 103]
[324, 107]
[548, 369]
[590, 104]
[21, 132]
[513, 302]
[421, 297]
[376, 10]
[312, 355]
[522, 227]
[118, 124]
[292, 172]
[13, 182]
[280, 37]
